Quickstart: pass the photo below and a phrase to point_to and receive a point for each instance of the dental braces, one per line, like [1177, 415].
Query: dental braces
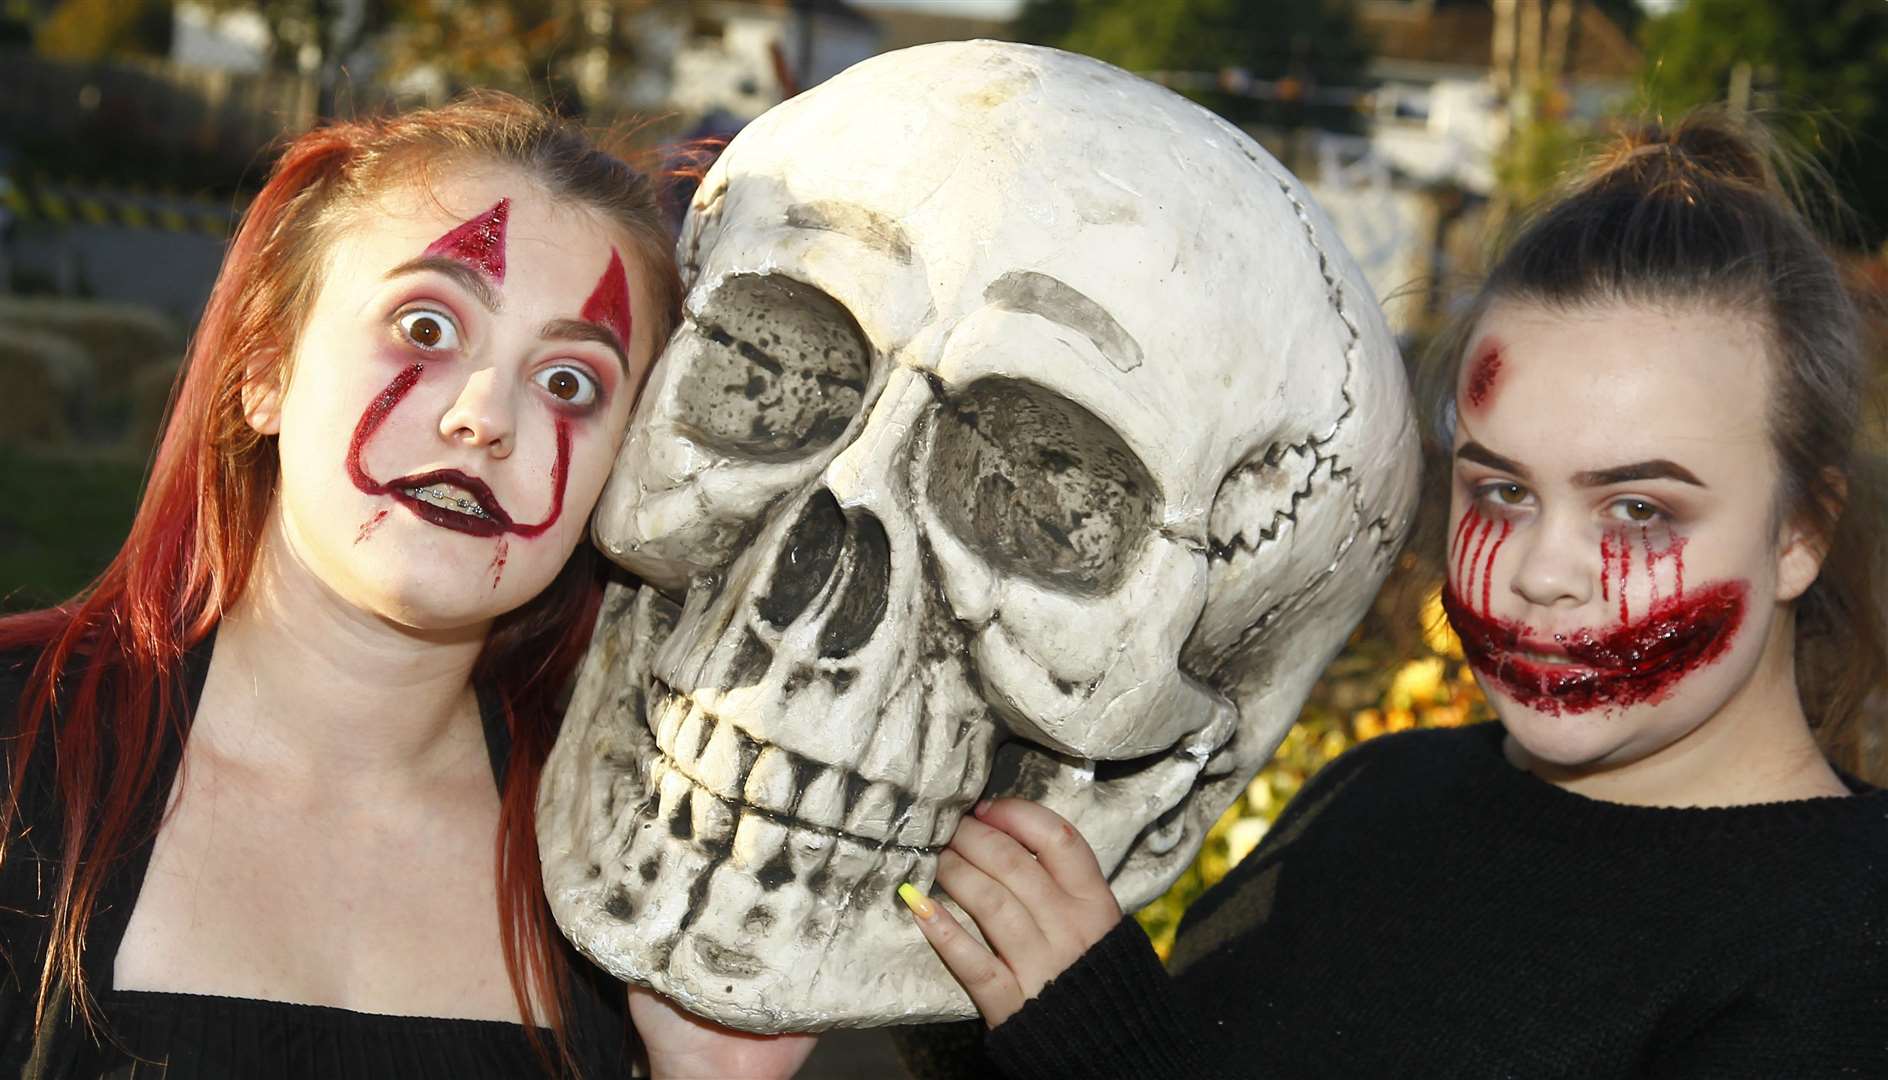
[436, 496]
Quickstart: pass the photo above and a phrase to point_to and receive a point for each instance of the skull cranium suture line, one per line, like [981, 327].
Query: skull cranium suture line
[1028, 432]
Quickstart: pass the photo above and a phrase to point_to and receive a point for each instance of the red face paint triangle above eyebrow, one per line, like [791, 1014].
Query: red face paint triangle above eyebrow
[609, 301]
[480, 242]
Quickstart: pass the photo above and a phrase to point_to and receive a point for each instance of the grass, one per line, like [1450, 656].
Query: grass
[62, 518]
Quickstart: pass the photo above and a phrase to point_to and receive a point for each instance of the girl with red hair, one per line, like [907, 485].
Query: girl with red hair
[271, 776]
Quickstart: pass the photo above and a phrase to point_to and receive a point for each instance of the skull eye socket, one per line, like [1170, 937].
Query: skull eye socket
[1039, 486]
[777, 369]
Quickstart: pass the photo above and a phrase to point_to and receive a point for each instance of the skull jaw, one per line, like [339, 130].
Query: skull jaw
[877, 970]
[700, 922]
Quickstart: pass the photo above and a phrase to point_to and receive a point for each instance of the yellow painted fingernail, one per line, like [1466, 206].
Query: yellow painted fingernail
[920, 904]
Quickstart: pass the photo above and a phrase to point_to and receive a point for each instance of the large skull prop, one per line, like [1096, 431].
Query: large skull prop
[1029, 432]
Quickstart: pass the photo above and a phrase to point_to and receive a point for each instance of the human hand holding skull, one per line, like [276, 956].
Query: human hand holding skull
[683, 1046]
[1032, 885]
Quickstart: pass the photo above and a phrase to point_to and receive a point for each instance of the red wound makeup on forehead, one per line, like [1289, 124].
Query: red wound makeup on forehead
[479, 243]
[1627, 665]
[608, 305]
[1483, 369]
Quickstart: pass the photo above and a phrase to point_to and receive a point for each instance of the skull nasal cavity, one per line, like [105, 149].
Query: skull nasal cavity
[835, 568]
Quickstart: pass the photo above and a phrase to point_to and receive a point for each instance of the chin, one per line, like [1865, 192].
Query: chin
[436, 604]
[1599, 739]
[1562, 739]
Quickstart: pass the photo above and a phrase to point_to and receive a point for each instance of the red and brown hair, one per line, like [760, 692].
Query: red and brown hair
[107, 681]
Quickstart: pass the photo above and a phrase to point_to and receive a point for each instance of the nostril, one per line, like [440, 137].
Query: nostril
[806, 560]
[838, 561]
[867, 581]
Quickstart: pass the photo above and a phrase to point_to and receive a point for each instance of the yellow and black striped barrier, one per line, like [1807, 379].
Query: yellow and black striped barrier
[127, 208]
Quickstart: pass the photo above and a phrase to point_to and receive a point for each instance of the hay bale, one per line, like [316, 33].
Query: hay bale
[121, 341]
[42, 377]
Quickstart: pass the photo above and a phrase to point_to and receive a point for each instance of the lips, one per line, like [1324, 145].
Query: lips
[1586, 669]
[472, 508]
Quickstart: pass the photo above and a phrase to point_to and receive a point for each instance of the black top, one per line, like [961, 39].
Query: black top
[1424, 908]
[200, 1035]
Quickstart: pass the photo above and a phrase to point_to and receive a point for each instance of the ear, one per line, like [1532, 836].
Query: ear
[1801, 546]
[263, 378]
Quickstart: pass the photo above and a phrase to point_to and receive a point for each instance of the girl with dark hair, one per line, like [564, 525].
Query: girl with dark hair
[271, 776]
[1662, 563]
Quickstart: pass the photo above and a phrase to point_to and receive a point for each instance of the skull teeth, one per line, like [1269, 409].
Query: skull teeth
[719, 767]
[757, 840]
[711, 779]
[690, 739]
[872, 813]
[670, 790]
[824, 800]
[711, 820]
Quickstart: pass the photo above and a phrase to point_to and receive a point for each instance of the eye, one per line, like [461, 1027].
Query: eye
[1503, 493]
[1040, 486]
[773, 370]
[568, 384]
[428, 329]
[1637, 511]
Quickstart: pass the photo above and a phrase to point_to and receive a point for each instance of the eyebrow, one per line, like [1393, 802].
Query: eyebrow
[1481, 455]
[462, 275]
[1031, 293]
[869, 227]
[1655, 469]
[585, 330]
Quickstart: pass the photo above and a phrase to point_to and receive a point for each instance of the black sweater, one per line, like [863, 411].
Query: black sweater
[1423, 908]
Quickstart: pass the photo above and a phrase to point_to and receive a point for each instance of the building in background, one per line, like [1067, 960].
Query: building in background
[1446, 73]
[741, 58]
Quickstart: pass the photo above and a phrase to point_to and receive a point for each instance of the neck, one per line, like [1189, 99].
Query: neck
[1756, 748]
[310, 687]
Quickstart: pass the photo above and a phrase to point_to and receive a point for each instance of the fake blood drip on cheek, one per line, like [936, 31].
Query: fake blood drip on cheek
[1616, 565]
[1474, 555]
[498, 561]
[560, 476]
[1627, 665]
[1458, 547]
[372, 523]
[1674, 550]
[1488, 568]
[376, 415]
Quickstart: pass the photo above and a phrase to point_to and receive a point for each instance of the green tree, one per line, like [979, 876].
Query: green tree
[1821, 65]
[1303, 44]
[87, 30]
